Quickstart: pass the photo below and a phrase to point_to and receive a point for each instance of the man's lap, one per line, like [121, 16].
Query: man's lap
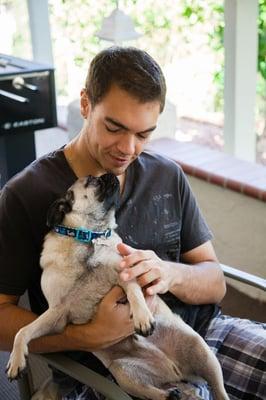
[240, 346]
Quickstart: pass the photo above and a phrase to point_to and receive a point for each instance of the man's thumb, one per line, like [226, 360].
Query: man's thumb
[124, 249]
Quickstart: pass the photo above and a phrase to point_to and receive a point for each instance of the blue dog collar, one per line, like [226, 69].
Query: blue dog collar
[81, 234]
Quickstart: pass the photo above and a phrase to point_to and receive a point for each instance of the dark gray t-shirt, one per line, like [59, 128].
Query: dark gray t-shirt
[158, 211]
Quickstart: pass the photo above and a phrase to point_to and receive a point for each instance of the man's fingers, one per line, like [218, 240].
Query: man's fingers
[148, 278]
[133, 259]
[157, 288]
[133, 272]
[124, 249]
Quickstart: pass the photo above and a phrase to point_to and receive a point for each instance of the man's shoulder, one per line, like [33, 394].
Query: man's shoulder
[38, 173]
[43, 176]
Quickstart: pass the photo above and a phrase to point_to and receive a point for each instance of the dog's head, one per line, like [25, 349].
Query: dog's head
[90, 196]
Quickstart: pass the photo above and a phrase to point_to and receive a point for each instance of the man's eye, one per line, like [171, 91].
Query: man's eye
[143, 136]
[112, 129]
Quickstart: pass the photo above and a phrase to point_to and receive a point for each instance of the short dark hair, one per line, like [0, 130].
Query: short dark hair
[131, 69]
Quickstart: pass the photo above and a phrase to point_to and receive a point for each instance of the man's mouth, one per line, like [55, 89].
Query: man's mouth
[120, 161]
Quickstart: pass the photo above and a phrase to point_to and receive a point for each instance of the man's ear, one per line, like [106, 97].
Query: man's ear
[59, 209]
[85, 104]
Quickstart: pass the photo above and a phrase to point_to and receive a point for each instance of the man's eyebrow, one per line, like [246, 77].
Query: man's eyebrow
[119, 125]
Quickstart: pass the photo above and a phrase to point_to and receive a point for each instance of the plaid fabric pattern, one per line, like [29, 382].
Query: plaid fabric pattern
[240, 346]
[82, 392]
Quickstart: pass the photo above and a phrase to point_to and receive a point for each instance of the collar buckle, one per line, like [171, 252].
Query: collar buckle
[107, 233]
[83, 236]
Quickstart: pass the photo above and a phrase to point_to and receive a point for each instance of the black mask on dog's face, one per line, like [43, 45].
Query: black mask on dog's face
[108, 190]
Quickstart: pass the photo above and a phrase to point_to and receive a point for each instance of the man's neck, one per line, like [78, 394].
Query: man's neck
[80, 161]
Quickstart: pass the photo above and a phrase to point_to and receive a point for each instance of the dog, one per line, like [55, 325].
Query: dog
[79, 267]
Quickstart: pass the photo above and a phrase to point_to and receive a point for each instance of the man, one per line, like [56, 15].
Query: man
[158, 215]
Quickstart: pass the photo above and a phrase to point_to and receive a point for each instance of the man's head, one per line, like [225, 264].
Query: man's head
[131, 69]
[123, 97]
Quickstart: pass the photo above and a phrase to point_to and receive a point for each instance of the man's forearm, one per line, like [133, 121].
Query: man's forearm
[201, 283]
[72, 338]
[12, 318]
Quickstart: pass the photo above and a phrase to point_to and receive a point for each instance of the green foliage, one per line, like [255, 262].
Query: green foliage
[195, 13]
[262, 38]
[216, 38]
[166, 25]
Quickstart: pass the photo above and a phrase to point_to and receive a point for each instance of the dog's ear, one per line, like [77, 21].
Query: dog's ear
[59, 209]
[108, 190]
[69, 197]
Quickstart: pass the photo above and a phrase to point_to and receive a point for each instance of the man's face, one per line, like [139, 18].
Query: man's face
[116, 129]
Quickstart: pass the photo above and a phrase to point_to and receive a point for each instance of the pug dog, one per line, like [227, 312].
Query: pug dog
[80, 265]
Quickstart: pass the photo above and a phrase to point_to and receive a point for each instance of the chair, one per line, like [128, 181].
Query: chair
[109, 389]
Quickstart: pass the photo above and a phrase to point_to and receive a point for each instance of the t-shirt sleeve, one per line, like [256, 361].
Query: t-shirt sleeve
[16, 245]
[194, 229]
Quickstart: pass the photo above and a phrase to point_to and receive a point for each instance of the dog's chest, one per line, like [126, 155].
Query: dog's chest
[105, 260]
[99, 276]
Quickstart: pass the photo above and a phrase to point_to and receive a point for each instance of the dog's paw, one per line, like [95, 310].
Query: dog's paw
[144, 323]
[174, 394]
[16, 364]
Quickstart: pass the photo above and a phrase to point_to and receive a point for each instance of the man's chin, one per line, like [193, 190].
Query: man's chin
[117, 170]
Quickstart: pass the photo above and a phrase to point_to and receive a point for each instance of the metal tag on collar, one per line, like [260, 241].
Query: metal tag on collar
[107, 233]
[84, 237]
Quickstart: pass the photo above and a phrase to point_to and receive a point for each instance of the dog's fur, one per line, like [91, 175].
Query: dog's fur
[75, 278]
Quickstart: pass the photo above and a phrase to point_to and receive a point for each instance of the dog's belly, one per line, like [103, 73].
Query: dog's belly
[141, 351]
[87, 292]
[171, 343]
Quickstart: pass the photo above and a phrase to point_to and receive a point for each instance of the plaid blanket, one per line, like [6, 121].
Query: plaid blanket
[240, 346]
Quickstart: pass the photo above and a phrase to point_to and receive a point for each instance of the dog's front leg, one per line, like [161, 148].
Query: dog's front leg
[144, 322]
[53, 320]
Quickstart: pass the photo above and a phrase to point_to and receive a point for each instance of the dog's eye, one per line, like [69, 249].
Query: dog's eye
[85, 196]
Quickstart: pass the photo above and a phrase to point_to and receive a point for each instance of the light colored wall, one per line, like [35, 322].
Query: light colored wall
[239, 226]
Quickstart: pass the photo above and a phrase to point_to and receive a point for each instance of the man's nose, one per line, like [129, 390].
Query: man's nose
[127, 144]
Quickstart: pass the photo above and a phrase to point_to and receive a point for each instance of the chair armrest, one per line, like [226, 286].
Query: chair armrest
[241, 276]
[85, 375]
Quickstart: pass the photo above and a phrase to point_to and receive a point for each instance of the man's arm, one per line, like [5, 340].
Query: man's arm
[202, 280]
[199, 280]
[111, 324]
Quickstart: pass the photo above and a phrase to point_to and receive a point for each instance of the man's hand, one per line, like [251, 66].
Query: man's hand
[112, 320]
[147, 268]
